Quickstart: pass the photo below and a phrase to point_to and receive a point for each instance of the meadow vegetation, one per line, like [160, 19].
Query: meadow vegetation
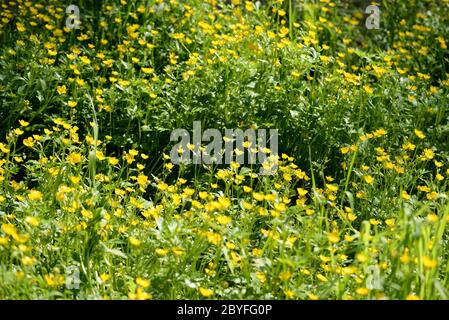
[358, 207]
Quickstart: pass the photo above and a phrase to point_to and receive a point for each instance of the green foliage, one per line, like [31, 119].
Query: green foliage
[358, 208]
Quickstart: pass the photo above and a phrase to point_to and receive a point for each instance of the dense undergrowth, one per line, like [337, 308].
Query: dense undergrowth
[91, 206]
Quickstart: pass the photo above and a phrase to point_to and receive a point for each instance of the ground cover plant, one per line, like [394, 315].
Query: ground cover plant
[92, 207]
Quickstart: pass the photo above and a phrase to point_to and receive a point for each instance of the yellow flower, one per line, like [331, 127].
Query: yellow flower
[432, 217]
[247, 205]
[35, 195]
[162, 186]
[429, 262]
[85, 60]
[142, 180]
[424, 188]
[438, 164]
[309, 211]
[405, 195]
[18, 131]
[161, 252]
[428, 154]
[322, 278]
[405, 258]
[368, 179]
[105, 277]
[4, 148]
[147, 70]
[206, 292]
[3, 241]
[361, 257]
[313, 296]
[283, 32]
[390, 222]
[142, 282]
[23, 123]
[333, 237]
[9, 229]
[87, 214]
[49, 279]
[80, 82]
[349, 270]
[380, 132]
[432, 195]
[368, 89]
[61, 89]
[72, 104]
[419, 134]
[28, 261]
[224, 220]
[54, 281]
[32, 221]
[100, 155]
[178, 251]
[325, 59]
[74, 158]
[282, 13]
[188, 192]
[408, 146]
[134, 241]
[75, 180]
[362, 291]
[285, 275]
[113, 161]
[261, 276]
[280, 207]
[289, 294]
[213, 238]
[20, 27]
[224, 203]
[29, 142]
[140, 295]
